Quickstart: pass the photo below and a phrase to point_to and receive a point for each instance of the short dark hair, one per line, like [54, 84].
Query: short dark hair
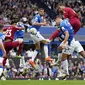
[14, 21]
[1, 26]
[60, 4]
[40, 9]
[58, 16]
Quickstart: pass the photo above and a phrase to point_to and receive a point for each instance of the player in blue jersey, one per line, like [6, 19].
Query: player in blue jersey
[19, 35]
[37, 22]
[68, 39]
[2, 49]
[68, 44]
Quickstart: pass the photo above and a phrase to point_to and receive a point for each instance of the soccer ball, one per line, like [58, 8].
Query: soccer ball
[33, 31]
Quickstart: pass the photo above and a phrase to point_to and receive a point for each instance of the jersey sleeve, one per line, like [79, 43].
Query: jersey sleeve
[16, 28]
[65, 14]
[63, 29]
[62, 26]
[35, 19]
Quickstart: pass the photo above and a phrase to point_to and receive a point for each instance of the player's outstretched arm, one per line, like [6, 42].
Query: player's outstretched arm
[39, 24]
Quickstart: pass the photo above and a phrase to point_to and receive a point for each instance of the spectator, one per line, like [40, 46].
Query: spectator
[48, 72]
[12, 53]
[29, 53]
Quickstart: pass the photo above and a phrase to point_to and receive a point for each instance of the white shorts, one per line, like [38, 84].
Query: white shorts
[19, 39]
[74, 46]
[67, 50]
[1, 60]
[77, 46]
[37, 37]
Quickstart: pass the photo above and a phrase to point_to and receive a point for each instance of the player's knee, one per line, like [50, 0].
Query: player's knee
[37, 45]
[82, 53]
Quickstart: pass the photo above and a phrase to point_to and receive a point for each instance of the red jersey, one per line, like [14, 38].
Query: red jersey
[10, 32]
[69, 13]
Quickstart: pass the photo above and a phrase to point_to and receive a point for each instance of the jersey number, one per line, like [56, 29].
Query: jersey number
[8, 33]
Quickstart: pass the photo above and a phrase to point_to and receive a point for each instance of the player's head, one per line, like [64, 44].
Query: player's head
[14, 22]
[58, 20]
[1, 26]
[60, 7]
[41, 11]
[24, 20]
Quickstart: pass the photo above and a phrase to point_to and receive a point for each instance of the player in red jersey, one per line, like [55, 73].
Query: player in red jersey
[9, 43]
[73, 19]
[71, 15]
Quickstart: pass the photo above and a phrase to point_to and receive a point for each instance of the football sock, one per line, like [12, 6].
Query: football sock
[1, 70]
[46, 50]
[65, 66]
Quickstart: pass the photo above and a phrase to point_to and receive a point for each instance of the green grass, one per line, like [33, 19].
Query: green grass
[44, 82]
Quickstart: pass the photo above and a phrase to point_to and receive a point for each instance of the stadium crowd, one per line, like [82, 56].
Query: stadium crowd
[14, 9]
[45, 71]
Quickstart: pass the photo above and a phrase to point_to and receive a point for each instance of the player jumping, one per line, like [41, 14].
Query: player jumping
[68, 45]
[73, 19]
[9, 44]
[37, 22]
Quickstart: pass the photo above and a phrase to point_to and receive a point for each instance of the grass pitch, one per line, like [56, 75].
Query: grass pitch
[44, 82]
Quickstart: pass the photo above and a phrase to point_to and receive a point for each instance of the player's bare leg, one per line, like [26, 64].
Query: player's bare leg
[82, 53]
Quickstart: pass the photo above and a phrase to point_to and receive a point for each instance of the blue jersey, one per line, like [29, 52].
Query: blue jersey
[37, 18]
[20, 33]
[66, 26]
[2, 37]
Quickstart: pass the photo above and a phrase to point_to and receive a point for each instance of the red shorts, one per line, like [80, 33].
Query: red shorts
[76, 24]
[10, 45]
